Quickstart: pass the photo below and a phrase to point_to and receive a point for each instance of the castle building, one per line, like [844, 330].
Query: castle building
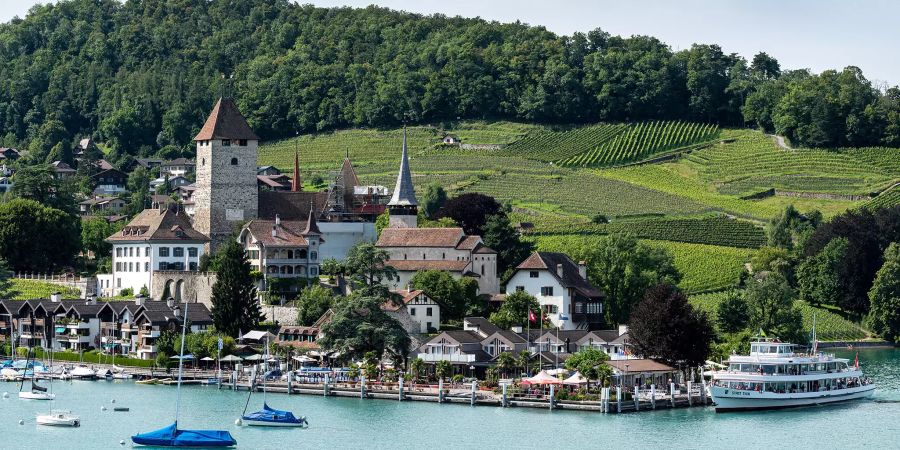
[413, 249]
[226, 194]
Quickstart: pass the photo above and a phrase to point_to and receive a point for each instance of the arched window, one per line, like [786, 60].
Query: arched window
[290, 254]
[301, 254]
[233, 161]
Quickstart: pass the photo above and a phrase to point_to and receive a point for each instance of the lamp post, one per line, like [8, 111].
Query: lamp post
[472, 370]
[626, 371]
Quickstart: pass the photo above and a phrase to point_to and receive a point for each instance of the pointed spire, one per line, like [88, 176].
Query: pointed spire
[296, 186]
[311, 226]
[404, 195]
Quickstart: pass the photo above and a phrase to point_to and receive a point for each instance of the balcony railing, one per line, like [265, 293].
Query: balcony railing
[147, 349]
[451, 357]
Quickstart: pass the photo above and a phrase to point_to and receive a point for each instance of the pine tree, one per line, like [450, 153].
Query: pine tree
[235, 308]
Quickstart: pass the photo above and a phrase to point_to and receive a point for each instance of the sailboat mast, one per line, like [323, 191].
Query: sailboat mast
[181, 362]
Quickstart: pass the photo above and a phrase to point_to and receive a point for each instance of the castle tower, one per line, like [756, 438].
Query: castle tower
[226, 194]
[403, 206]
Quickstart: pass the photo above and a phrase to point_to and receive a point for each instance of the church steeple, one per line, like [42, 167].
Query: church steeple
[403, 206]
[296, 185]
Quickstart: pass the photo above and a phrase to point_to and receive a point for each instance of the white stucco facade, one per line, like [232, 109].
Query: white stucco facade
[135, 262]
[339, 237]
[538, 283]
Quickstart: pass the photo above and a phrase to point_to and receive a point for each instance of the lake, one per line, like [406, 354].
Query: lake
[356, 423]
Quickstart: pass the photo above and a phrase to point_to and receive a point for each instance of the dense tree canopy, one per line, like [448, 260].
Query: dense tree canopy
[37, 238]
[359, 326]
[770, 301]
[515, 310]
[868, 235]
[665, 326]
[471, 211]
[235, 308]
[141, 75]
[312, 303]
[885, 296]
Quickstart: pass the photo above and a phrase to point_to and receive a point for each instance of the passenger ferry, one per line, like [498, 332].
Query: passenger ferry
[773, 376]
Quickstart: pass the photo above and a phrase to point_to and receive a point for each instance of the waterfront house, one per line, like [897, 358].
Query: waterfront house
[643, 372]
[259, 337]
[159, 316]
[561, 287]
[155, 240]
[421, 308]
[299, 338]
[77, 323]
[62, 170]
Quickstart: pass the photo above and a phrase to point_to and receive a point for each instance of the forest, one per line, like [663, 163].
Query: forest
[141, 75]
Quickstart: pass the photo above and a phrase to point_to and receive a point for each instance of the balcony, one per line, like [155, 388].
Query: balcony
[147, 349]
[35, 322]
[450, 357]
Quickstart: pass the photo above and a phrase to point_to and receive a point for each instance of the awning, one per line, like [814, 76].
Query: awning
[575, 379]
[255, 358]
[541, 379]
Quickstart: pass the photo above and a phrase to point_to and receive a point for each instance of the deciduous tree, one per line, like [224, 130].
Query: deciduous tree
[360, 326]
[884, 318]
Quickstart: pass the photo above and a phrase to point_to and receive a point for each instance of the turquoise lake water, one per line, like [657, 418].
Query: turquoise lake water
[356, 423]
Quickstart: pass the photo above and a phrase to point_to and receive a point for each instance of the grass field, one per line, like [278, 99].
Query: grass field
[830, 326]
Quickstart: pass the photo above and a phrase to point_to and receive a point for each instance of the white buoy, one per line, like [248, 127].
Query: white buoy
[21, 422]
[102, 408]
[237, 422]
[122, 442]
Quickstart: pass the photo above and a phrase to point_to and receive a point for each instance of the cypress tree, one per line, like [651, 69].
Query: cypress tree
[235, 308]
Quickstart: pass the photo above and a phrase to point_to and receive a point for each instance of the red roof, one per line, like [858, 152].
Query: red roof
[288, 234]
[420, 237]
[226, 122]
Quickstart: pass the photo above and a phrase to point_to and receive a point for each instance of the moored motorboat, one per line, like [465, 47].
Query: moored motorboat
[58, 418]
[774, 376]
[83, 373]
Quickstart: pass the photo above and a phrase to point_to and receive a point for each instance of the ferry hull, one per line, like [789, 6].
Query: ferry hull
[766, 401]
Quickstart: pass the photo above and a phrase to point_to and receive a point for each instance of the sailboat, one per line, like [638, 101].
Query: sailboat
[269, 417]
[57, 417]
[37, 391]
[171, 436]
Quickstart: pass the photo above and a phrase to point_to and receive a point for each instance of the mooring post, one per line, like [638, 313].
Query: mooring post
[652, 396]
[441, 390]
[505, 402]
[703, 391]
[474, 387]
[672, 393]
[552, 390]
[690, 386]
[327, 385]
[362, 388]
[400, 396]
[290, 382]
[618, 399]
[234, 376]
[637, 401]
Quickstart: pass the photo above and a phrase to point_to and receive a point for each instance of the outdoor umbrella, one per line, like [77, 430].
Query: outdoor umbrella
[541, 379]
[575, 379]
[231, 358]
[255, 358]
[557, 372]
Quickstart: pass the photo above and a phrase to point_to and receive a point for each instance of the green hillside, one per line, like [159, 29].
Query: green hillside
[691, 205]
[830, 326]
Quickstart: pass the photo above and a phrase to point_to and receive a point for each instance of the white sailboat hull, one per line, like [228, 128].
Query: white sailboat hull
[59, 419]
[742, 400]
[257, 423]
[36, 395]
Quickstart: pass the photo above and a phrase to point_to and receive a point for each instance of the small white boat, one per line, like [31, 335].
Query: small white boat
[9, 374]
[83, 373]
[36, 395]
[104, 373]
[59, 418]
[121, 376]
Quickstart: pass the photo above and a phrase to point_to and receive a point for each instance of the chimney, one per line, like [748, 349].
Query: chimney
[559, 270]
[274, 231]
[139, 300]
[277, 220]
[582, 269]
[623, 329]
[91, 300]
[170, 302]
[517, 329]
[55, 297]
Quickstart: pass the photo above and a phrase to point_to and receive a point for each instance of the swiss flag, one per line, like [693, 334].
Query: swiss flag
[531, 317]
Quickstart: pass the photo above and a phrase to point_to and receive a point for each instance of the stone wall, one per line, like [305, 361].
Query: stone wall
[184, 285]
[284, 315]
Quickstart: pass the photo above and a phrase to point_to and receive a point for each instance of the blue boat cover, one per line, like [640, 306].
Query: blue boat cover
[273, 415]
[171, 436]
